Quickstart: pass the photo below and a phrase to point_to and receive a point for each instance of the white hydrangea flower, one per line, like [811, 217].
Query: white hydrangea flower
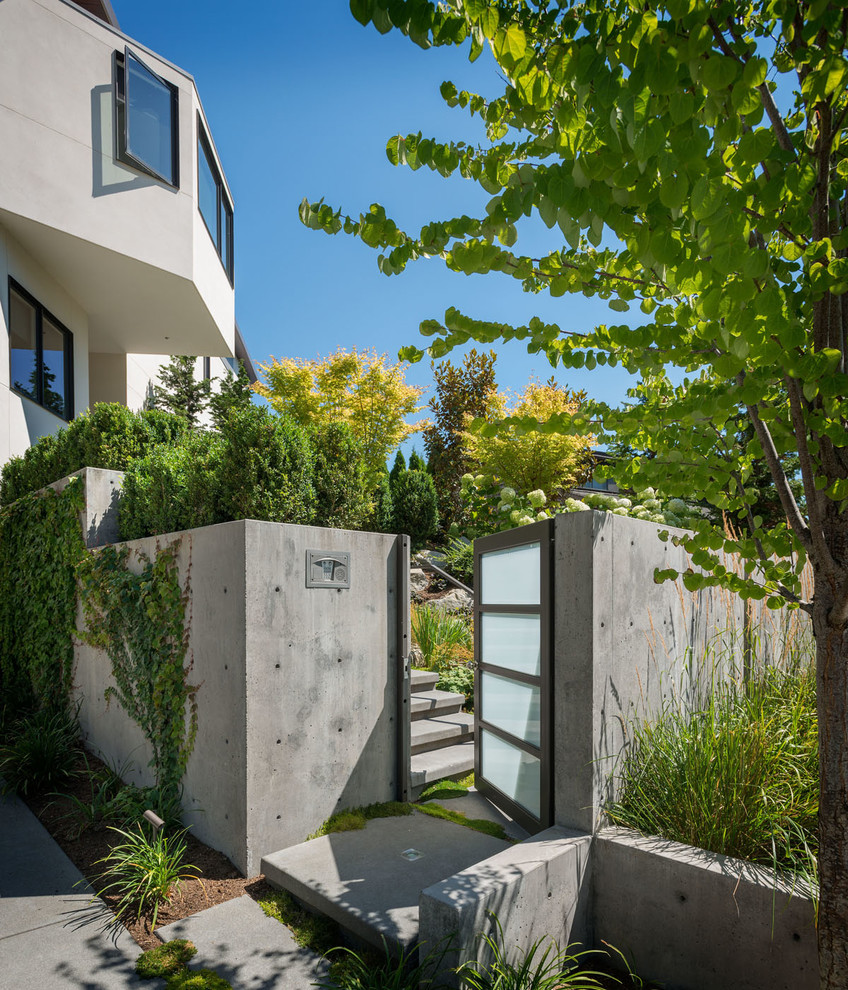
[536, 498]
[620, 511]
[657, 517]
[542, 515]
[507, 494]
[515, 516]
[466, 480]
[623, 503]
[504, 508]
[525, 520]
[677, 506]
[653, 504]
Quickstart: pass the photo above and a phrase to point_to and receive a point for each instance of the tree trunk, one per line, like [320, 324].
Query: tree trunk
[832, 702]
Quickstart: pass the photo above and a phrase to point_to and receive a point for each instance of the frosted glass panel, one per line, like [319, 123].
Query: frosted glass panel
[510, 577]
[512, 706]
[512, 771]
[511, 641]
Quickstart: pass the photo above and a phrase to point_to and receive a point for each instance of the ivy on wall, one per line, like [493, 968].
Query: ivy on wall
[41, 543]
[139, 620]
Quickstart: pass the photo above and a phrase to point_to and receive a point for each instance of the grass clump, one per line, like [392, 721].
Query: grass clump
[738, 777]
[352, 970]
[541, 967]
[445, 789]
[495, 829]
[439, 634]
[310, 931]
[353, 819]
[144, 872]
[41, 752]
[165, 959]
[198, 979]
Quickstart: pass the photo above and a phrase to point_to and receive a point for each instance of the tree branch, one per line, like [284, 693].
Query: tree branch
[814, 507]
[781, 483]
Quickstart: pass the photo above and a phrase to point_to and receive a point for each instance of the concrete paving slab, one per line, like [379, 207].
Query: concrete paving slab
[369, 881]
[52, 936]
[251, 950]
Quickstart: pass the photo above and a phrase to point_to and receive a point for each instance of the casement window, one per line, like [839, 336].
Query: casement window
[146, 119]
[41, 354]
[213, 203]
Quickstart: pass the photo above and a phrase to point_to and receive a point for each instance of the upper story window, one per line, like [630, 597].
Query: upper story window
[41, 353]
[212, 200]
[146, 116]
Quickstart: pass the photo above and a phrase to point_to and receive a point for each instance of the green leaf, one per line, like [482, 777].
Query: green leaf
[362, 10]
[719, 71]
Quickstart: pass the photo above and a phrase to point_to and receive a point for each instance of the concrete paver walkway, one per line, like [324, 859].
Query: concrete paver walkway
[51, 935]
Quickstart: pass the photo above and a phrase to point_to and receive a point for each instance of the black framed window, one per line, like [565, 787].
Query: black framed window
[41, 353]
[146, 119]
[212, 201]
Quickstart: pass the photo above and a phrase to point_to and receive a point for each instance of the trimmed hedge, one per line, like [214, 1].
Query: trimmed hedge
[108, 436]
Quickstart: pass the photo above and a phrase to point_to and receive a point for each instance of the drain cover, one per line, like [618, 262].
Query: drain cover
[411, 854]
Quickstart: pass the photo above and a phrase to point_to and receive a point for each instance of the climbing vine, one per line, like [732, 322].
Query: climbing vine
[41, 543]
[138, 616]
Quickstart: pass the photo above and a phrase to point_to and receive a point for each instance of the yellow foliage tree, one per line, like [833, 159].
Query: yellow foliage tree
[526, 461]
[353, 387]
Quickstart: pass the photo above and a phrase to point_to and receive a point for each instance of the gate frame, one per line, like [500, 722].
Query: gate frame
[542, 533]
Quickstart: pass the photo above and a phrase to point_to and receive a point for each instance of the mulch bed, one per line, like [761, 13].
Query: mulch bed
[218, 880]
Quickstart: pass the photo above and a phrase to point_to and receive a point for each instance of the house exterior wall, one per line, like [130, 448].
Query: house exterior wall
[23, 421]
[122, 259]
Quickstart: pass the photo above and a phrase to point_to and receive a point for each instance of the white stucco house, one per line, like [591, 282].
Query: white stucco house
[116, 220]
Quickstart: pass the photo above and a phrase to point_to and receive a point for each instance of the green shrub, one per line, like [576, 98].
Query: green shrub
[339, 477]
[353, 970]
[198, 979]
[41, 751]
[165, 959]
[174, 487]
[107, 436]
[414, 506]
[144, 872]
[265, 471]
[739, 777]
[458, 678]
[459, 560]
[439, 634]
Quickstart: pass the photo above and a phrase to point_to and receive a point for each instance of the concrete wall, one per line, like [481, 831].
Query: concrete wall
[537, 889]
[99, 517]
[623, 646]
[297, 697]
[687, 919]
[693, 920]
[134, 251]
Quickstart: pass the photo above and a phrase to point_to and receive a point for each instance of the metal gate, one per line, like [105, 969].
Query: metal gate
[512, 683]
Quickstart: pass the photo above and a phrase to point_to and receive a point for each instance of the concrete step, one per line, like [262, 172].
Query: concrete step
[441, 730]
[451, 761]
[369, 881]
[422, 680]
[426, 703]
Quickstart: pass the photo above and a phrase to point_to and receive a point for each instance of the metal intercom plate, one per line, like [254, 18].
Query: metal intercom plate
[327, 569]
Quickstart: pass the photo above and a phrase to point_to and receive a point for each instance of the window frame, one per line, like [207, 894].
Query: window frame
[121, 122]
[68, 352]
[219, 236]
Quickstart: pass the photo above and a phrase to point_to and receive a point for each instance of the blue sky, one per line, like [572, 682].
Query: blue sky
[301, 100]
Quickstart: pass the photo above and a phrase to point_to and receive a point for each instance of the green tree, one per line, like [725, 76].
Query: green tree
[416, 461]
[234, 393]
[530, 460]
[398, 467]
[654, 138]
[179, 392]
[463, 392]
[414, 506]
[357, 388]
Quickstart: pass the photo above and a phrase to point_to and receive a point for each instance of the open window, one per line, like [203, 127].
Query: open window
[146, 119]
[212, 201]
[41, 354]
